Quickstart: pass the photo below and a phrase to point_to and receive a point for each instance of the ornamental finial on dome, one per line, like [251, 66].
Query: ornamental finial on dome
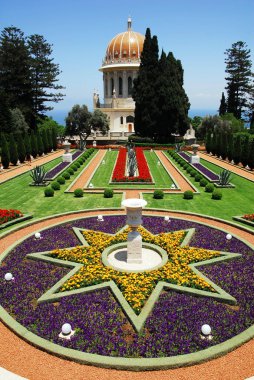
[129, 23]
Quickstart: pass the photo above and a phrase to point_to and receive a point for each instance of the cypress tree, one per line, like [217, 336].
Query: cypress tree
[54, 138]
[251, 154]
[144, 88]
[237, 149]
[5, 114]
[50, 141]
[13, 150]
[21, 148]
[45, 141]
[40, 144]
[213, 144]
[208, 143]
[224, 144]
[27, 143]
[245, 150]
[34, 145]
[223, 105]
[5, 155]
[230, 147]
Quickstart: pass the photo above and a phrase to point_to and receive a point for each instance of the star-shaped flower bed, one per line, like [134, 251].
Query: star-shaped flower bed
[136, 291]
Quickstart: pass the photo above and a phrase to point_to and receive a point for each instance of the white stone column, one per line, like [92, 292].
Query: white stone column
[125, 85]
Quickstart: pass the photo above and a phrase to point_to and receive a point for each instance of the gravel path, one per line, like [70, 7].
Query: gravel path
[25, 360]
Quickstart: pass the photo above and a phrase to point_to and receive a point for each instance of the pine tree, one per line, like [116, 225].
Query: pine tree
[13, 150]
[5, 114]
[34, 145]
[223, 105]
[15, 71]
[5, 154]
[44, 76]
[238, 68]
[21, 148]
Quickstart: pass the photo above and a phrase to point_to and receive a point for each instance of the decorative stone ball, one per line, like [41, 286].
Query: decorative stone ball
[37, 235]
[228, 237]
[206, 330]
[100, 218]
[66, 329]
[166, 218]
[8, 276]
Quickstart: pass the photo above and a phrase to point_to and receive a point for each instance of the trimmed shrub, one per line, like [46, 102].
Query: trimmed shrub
[203, 182]
[188, 194]
[209, 188]
[49, 192]
[158, 194]
[217, 194]
[61, 180]
[74, 168]
[55, 185]
[108, 193]
[77, 164]
[193, 173]
[78, 193]
[70, 171]
[185, 166]
[66, 175]
[198, 177]
[189, 169]
[80, 161]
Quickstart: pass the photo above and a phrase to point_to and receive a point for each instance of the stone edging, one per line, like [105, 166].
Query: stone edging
[245, 221]
[15, 221]
[135, 364]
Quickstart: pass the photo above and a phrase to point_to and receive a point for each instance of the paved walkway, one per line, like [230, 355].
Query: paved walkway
[226, 165]
[14, 171]
[35, 364]
[84, 179]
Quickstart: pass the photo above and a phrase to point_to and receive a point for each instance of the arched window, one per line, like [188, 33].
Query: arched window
[121, 120]
[129, 119]
[112, 86]
[120, 86]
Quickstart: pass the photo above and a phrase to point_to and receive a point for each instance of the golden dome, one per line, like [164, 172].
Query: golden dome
[125, 47]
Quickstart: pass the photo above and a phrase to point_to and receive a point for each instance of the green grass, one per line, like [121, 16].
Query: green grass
[159, 173]
[103, 174]
[17, 194]
[235, 201]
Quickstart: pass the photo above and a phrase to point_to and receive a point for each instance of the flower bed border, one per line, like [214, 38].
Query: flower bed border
[15, 221]
[134, 364]
[65, 168]
[243, 220]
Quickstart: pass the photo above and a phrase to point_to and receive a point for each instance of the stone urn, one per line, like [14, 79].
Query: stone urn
[195, 159]
[67, 156]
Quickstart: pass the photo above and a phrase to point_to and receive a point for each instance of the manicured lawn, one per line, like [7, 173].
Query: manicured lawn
[159, 173]
[17, 194]
[104, 172]
[235, 201]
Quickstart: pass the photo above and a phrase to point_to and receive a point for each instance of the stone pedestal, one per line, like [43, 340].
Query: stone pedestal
[67, 157]
[134, 247]
[194, 159]
[134, 219]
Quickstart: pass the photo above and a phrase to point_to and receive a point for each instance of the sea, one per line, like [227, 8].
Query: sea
[60, 115]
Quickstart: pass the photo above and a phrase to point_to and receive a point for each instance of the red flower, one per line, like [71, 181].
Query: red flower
[7, 215]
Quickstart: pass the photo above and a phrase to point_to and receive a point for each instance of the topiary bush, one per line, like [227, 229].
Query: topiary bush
[193, 173]
[108, 193]
[198, 177]
[185, 166]
[217, 194]
[77, 164]
[209, 188]
[189, 169]
[158, 194]
[203, 182]
[74, 168]
[66, 175]
[55, 185]
[188, 194]
[78, 193]
[49, 192]
[70, 171]
[61, 180]
[80, 161]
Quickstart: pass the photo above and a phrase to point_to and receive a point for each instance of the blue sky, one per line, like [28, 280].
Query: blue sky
[197, 32]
